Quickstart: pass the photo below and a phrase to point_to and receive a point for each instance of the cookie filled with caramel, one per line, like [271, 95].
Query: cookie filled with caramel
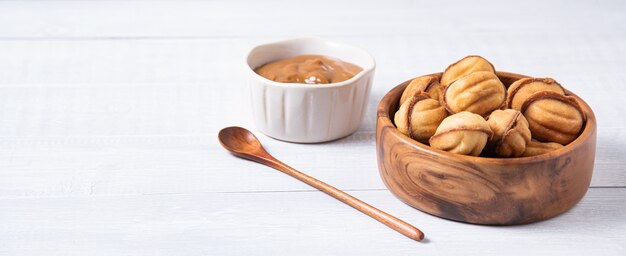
[463, 133]
[479, 92]
[419, 117]
[424, 84]
[511, 134]
[553, 117]
[468, 110]
[466, 66]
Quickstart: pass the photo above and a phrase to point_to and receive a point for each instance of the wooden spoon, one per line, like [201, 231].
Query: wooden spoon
[242, 143]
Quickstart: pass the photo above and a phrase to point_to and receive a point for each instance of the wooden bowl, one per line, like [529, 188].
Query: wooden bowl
[480, 190]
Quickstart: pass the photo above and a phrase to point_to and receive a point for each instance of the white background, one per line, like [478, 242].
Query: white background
[109, 112]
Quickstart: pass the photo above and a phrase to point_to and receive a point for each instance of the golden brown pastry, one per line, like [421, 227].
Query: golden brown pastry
[510, 132]
[462, 133]
[553, 117]
[535, 148]
[465, 66]
[429, 84]
[479, 92]
[522, 89]
[419, 117]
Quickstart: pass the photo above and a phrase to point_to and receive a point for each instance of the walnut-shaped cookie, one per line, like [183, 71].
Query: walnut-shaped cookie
[535, 148]
[553, 117]
[522, 89]
[465, 66]
[419, 117]
[510, 133]
[463, 133]
[479, 92]
[429, 84]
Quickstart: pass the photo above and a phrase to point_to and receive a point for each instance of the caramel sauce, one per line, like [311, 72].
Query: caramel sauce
[309, 69]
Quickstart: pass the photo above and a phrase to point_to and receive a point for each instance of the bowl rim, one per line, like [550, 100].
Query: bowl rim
[383, 116]
[318, 40]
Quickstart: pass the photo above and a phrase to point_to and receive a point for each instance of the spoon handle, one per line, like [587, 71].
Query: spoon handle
[383, 217]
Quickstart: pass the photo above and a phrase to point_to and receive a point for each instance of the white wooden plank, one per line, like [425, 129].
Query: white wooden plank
[288, 223]
[183, 164]
[59, 19]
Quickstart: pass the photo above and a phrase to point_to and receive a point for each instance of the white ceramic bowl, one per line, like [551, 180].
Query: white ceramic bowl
[308, 113]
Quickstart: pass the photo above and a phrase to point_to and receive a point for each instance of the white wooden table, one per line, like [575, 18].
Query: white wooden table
[109, 112]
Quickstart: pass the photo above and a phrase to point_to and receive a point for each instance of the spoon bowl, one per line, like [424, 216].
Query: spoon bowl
[239, 140]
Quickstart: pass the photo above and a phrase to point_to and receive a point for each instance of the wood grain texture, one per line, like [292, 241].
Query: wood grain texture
[496, 191]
